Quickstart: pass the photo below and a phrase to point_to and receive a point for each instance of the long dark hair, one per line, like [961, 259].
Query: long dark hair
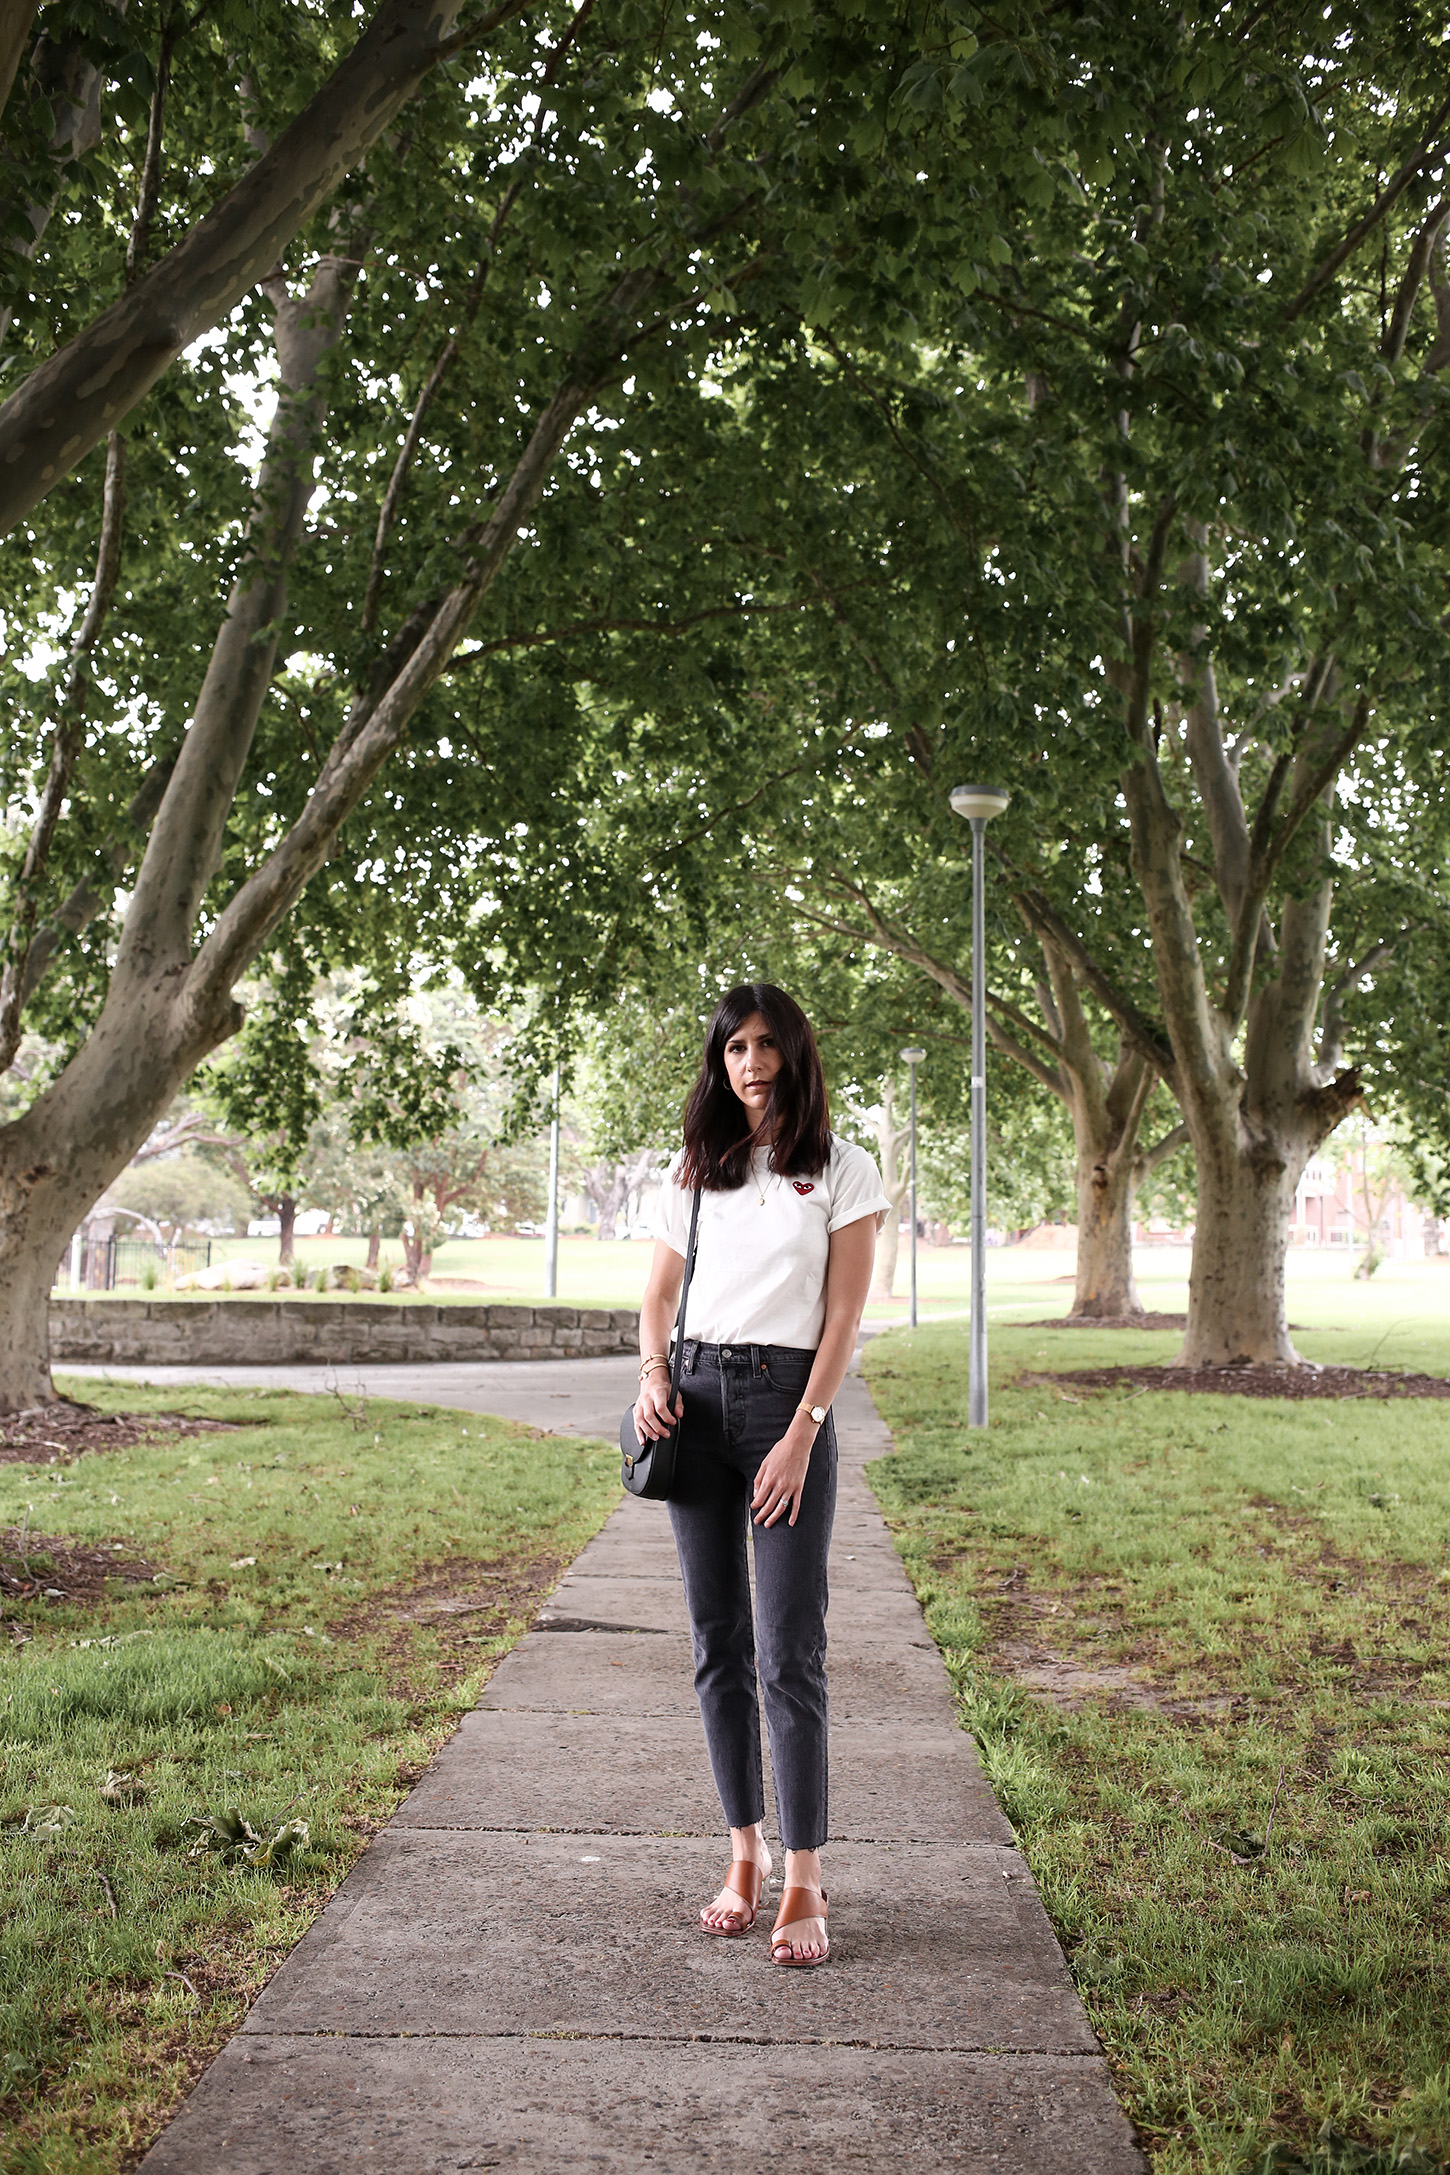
[717, 1153]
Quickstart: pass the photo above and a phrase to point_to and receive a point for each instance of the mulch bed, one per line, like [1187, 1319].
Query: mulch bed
[1108, 1321]
[55, 1569]
[1116, 1321]
[48, 1433]
[1294, 1382]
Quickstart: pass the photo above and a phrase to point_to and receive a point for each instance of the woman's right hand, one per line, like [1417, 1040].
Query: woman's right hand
[652, 1415]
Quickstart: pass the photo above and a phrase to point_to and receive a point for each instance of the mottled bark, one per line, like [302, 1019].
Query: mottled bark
[891, 1140]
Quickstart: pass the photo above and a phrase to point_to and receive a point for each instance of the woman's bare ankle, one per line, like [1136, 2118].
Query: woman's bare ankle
[803, 1869]
[749, 1844]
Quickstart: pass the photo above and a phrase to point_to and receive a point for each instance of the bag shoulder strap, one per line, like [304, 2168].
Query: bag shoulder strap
[677, 1360]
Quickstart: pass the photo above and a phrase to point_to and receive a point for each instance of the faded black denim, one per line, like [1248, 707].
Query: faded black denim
[739, 1401]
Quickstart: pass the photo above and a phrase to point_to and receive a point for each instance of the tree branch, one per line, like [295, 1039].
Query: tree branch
[606, 625]
[1148, 1159]
[185, 844]
[381, 719]
[86, 900]
[1388, 196]
[14, 38]
[1047, 924]
[392, 497]
[257, 908]
[1331, 1033]
[884, 938]
[70, 734]
[1313, 778]
[191, 1130]
[1213, 773]
[72, 400]
[1392, 347]
[140, 237]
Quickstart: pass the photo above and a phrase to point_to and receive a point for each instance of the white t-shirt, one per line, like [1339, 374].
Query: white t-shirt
[761, 1260]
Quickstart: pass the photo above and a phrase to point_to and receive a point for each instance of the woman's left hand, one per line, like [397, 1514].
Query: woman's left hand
[782, 1474]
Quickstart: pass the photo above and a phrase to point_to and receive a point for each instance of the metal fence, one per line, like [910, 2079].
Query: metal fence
[113, 1264]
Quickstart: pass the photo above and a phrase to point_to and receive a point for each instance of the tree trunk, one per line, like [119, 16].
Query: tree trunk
[287, 1234]
[888, 1246]
[1107, 1184]
[1106, 1106]
[25, 1331]
[1236, 1310]
[59, 1156]
[891, 1139]
[375, 1246]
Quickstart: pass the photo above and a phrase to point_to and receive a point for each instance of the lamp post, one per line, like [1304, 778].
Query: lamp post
[978, 803]
[551, 1224]
[911, 1059]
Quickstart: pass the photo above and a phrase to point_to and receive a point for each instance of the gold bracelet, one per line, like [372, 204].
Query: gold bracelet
[648, 1366]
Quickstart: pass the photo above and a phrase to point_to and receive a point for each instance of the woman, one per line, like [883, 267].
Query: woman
[787, 1236]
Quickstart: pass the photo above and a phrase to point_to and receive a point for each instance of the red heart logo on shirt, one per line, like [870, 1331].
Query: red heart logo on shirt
[801, 1187]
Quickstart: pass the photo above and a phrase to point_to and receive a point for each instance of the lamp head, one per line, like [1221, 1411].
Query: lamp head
[979, 800]
[913, 1057]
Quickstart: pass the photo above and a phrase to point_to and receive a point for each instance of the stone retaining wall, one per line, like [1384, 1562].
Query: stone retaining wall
[262, 1332]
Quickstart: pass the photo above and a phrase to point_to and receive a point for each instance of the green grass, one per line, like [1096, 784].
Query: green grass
[1238, 1615]
[308, 1685]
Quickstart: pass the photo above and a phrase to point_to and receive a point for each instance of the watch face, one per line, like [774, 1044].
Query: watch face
[818, 1413]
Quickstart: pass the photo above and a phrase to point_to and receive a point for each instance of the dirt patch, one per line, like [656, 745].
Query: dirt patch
[1293, 1382]
[1018, 1620]
[1068, 1683]
[461, 1604]
[52, 1568]
[49, 1433]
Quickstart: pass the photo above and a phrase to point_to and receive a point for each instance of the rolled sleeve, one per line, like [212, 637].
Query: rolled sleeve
[856, 1189]
[670, 1221]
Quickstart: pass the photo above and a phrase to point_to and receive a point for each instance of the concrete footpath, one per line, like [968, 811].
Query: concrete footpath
[513, 1975]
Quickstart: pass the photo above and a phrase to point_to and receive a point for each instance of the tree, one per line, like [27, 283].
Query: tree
[891, 1142]
[598, 216]
[1176, 522]
[1376, 1167]
[1208, 399]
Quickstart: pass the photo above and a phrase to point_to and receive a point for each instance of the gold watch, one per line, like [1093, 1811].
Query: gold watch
[817, 1412]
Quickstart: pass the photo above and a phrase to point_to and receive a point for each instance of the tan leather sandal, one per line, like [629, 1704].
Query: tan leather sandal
[796, 1904]
[744, 1880]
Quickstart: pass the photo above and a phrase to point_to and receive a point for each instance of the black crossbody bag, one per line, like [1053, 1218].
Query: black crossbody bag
[648, 1468]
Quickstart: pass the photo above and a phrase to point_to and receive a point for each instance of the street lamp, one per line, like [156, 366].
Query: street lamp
[912, 1058]
[551, 1224]
[978, 803]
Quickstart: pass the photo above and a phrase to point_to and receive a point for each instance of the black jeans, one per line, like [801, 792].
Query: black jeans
[739, 1401]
